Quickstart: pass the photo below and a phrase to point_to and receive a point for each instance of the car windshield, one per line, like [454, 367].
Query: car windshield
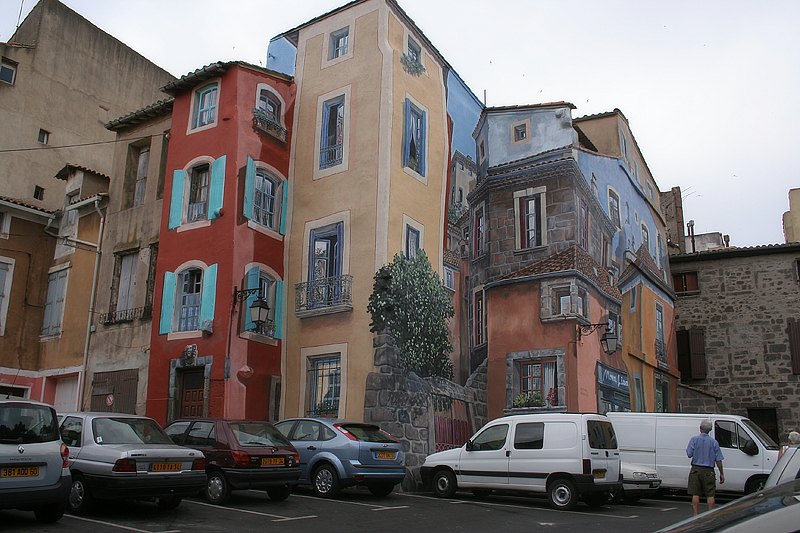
[368, 433]
[128, 431]
[22, 423]
[601, 435]
[257, 434]
[765, 439]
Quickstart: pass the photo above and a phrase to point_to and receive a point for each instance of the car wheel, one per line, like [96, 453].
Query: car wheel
[80, 496]
[217, 488]
[381, 489]
[481, 493]
[326, 481]
[596, 499]
[278, 494]
[47, 514]
[754, 484]
[169, 502]
[444, 484]
[562, 494]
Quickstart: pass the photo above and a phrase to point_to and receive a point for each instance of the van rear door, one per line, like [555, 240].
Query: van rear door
[602, 450]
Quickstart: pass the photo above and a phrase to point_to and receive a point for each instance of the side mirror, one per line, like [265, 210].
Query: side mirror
[469, 446]
[750, 448]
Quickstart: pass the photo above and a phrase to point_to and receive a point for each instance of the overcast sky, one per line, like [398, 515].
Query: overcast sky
[710, 88]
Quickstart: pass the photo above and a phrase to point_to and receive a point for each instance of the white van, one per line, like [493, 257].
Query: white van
[567, 456]
[660, 439]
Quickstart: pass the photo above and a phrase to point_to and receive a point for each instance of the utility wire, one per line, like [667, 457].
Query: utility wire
[5, 151]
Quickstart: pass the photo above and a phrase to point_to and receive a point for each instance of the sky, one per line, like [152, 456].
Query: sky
[710, 88]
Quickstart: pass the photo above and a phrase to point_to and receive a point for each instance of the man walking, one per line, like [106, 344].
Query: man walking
[704, 453]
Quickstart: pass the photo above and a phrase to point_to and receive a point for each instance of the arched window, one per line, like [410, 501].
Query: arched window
[190, 284]
[264, 205]
[270, 105]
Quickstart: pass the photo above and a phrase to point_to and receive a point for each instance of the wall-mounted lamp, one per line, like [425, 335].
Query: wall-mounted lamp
[259, 309]
[609, 339]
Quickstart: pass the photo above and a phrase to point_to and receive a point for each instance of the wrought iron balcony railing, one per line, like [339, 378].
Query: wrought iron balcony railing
[324, 296]
[263, 122]
[125, 315]
[330, 156]
[661, 352]
[266, 329]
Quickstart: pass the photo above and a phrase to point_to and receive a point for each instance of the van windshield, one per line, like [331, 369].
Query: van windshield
[765, 439]
[601, 435]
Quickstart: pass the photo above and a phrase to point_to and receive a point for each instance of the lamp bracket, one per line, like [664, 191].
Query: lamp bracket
[588, 329]
[241, 295]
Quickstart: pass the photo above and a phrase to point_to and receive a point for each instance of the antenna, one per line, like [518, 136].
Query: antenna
[19, 16]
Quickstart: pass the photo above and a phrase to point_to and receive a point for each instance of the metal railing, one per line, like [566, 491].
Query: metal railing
[324, 295]
[267, 124]
[661, 351]
[125, 315]
[266, 329]
[330, 156]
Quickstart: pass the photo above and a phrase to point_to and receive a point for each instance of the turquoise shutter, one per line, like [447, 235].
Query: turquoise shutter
[284, 206]
[407, 133]
[423, 143]
[249, 187]
[250, 283]
[217, 188]
[167, 303]
[176, 199]
[208, 297]
[278, 310]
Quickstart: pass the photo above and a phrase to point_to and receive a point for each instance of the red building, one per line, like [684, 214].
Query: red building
[221, 245]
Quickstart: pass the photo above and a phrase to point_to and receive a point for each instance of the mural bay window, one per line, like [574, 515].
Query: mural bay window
[205, 106]
[414, 138]
[265, 198]
[198, 196]
[323, 384]
[332, 137]
[479, 232]
[327, 290]
[188, 300]
[530, 218]
[271, 291]
[267, 115]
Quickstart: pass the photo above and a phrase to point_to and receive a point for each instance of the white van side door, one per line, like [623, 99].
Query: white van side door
[737, 465]
[484, 459]
[540, 448]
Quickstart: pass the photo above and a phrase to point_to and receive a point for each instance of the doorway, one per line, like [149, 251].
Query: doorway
[192, 399]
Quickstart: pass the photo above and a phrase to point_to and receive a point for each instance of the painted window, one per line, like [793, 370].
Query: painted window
[412, 244]
[190, 287]
[270, 105]
[479, 319]
[583, 303]
[38, 192]
[54, 302]
[661, 347]
[460, 195]
[205, 106]
[531, 221]
[612, 319]
[638, 388]
[140, 186]
[44, 137]
[646, 238]
[633, 298]
[539, 376]
[595, 191]
[5, 224]
[561, 301]
[482, 150]
[520, 132]
[123, 288]
[339, 43]
[613, 208]
[685, 283]
[265, 196]
[584, 226]
[449, 278]
[623, 144]
[332, 141]
[6, 275]
[325, 268]
[264, 204]
[8, 71]
[188, 299]
[662, 393]
[271, 291]
[198, 194]
[414, 138]
[414, 51]
[479, 232]
[324, 385]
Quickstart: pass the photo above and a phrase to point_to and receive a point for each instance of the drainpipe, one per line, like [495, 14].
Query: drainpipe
[92, 297]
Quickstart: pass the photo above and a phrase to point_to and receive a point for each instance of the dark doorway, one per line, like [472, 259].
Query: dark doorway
[767, 419]
[192, 394]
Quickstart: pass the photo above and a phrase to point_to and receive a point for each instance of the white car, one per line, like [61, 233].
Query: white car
[638, 481]
[787, 468]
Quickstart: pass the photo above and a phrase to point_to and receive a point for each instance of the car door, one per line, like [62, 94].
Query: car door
[310, 437]
[202, 436]
[484, 459]
[738, 465]
[528, 462]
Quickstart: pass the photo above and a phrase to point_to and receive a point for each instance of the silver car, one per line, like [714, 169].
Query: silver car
[335, 454]
[33, 460]
[638, 481]
[116, 456]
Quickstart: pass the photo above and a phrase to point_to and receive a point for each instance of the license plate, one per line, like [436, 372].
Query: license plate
[599, 474]
[273, 461]
[385, 455]
[20, 471]
[166, 467]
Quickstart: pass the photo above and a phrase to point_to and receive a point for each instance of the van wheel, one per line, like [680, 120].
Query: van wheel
[754, 484]
[444, 484]
[562, 494]
[597, 499]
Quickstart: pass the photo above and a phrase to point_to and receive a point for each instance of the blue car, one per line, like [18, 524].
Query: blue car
[335, 454]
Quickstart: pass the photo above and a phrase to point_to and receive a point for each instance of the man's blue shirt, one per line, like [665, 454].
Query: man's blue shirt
[704, 450]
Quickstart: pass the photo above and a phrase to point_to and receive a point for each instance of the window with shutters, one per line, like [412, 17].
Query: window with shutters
[123, 289]
[691, 353]
[793, 327]
[529, 220]
[685, 283]
[270, 289]
[204, 107]
[414, 137]
[264, 204]
[198, 194]
[54, 303]
[188, 299]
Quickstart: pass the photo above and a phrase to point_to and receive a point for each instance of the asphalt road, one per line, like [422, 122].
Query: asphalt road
[357, 510]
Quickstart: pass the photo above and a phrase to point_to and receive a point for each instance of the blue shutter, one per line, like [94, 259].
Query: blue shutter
[167, 303]
[208, 297]
[339, 248]
[407, 133]
[217, 188]
[251, 282]
[312, 238]
[278, 309]
[176, 199]
[423, 143]
[249, 187]
[284, 206]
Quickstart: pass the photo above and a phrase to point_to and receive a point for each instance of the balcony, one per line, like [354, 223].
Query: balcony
[330, 156]
[324, 296]
[125, 315]
[267, 124]
[661, 354]
[267, 329]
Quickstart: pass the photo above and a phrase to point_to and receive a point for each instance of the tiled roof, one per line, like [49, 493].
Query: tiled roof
[616, 111]
[531, 106]
[157, 109]
[64, 172]
[573, 258]
[26, 205]
[452, 258]
[645, 263]
[744, 251]
[214, 70]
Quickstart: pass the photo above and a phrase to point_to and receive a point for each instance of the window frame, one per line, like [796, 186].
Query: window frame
[613, 213]
[415, 127]
[180, 323]
[198, 107]
[314, 387]
[55, 307]
[43, 137]
[339, 43]
[8, 65]
[523, 218]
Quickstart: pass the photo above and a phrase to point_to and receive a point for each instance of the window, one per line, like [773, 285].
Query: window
[595, 191]
[123, 288]
[661, 347]
[482, 150]
[326, 285]
[414, 52]
[638, 388]
[627, 213]
[268, 291]
[539, 376]
[691, 353]
[190, 287]
[461, 199]
[324, 386]
[479, 319]
[332, 141]
[412, 244]
[613, 208]
[5, 224]
[205, 106]
[479, 232]
[633, 298]
[623, 145]
[71, 214]
[449, 278]
[270, 105]
[38, 192]
[561, 301]
[583, 303]
[151, 281]
[140, 186]
[54, 302]
[685, 283]
[662, 393]
[520, 132]
[8, 71]
[646, 238]
[198, 194]
[612, 318]
[6, 275]
[44, 136]
[491, 439]
[339, 43]
[264, 199]
[530, 221]
[414, 139]
[649, 191]
[584, 226]
[529, 436]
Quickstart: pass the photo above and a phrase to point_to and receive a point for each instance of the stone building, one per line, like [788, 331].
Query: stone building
[738, 331]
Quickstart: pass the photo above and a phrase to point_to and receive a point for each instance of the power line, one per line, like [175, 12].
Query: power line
[76, 145]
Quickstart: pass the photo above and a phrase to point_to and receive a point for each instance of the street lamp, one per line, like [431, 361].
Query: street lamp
[259, 309]
[609, 339]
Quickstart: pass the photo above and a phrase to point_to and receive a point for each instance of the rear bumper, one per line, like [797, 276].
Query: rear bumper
[260, 478]
[28, 498]
[185, 484]
[640, 488]
[587, 485]
[358, 474]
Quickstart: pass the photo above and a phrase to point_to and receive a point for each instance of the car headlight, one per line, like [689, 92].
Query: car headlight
[640, 475]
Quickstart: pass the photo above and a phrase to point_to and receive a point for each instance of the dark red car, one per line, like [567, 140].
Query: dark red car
[240, 454]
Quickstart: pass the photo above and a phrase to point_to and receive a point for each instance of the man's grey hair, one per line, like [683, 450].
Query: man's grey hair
[705, 425]
[794, 437]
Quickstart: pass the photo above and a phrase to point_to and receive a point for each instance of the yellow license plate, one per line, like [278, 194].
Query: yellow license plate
[385, 455]
[166, 467]
[273, 461]
[20, 471]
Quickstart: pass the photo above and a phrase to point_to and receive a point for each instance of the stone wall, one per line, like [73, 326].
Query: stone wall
[400, 403]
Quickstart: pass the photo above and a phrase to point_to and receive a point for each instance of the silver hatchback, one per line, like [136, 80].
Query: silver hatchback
[33, 460]
[117, 456]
